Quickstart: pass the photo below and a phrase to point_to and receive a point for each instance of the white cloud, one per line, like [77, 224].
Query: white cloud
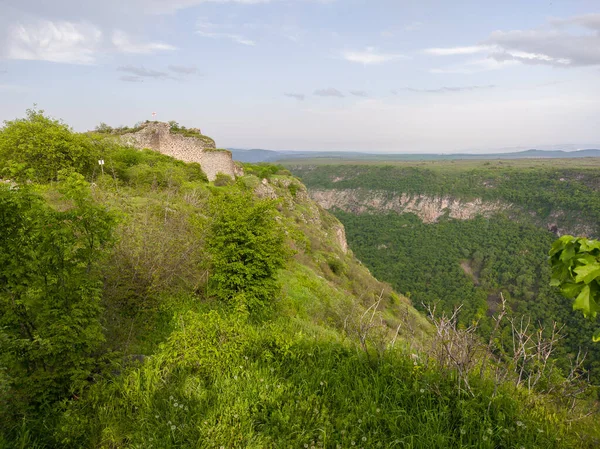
[58, 41]
[570, 42]
[215, 31]
[124, 44]
[451, 51]
[370, 56]
[475, 66]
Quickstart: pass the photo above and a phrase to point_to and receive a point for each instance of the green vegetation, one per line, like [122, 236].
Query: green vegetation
[550, 191]
[247, 248]
[145, 307]
[576, 270]
[470, 264]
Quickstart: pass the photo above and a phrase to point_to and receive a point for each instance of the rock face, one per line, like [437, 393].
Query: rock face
[427, 208]
[158, 136]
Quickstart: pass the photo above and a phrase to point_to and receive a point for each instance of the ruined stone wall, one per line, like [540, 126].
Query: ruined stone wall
[158, 137]
[219, 161]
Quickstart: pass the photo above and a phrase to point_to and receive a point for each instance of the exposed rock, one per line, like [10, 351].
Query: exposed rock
[427, 208]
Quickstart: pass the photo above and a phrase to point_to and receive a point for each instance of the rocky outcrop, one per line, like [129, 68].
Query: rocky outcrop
[428, 208]
[195, 148]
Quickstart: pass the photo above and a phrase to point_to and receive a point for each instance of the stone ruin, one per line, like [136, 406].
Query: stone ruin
[157, 136]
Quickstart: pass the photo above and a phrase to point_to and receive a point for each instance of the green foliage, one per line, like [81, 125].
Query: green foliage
[38, 147]
[576, 271]
[469, 263]
[223, 180]
[247, 246]
[265, 170]
[50, 292]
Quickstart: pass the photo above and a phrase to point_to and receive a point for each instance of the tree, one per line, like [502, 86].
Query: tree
[576, 271]
[247, 247]
[50, 294]
[44, 146]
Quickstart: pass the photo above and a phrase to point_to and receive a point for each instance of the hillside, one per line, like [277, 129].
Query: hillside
[145, 306]
[478, 230]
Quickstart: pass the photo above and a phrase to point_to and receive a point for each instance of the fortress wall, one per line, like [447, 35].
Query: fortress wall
[214, 162]
[157, 136]
[188, 149]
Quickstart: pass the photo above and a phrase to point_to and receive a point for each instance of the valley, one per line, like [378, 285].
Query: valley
[462, 233]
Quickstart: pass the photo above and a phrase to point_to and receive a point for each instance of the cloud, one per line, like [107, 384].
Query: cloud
[555, 47]
[446, 89]
[474, 66]
[183, 70]
[58, 41]
[143, 72]
[370, 56]
[451, 51]
[329, 92]
[591, 21]
[359, 93]
[124, 44]
[131, 79]
[211, 30]
[569, 42]
[299, 97]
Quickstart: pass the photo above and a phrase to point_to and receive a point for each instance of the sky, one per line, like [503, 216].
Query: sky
[354, 75]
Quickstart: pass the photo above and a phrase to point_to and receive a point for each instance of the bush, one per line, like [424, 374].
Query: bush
[49, 294]
[247, 246]
[45, 146]
[222, 180]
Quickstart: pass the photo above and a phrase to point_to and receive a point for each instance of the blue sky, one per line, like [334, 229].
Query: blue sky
[376, 75]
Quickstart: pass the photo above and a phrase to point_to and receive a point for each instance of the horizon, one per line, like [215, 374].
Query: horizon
[382, 76]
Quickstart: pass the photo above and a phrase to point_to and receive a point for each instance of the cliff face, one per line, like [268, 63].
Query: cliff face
[430, 208]
[427, 208]
[158, 136]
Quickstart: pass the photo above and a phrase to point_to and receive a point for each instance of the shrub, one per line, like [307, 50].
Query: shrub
[45, 146]
[223, 180]
[49, 293]
[247, 246]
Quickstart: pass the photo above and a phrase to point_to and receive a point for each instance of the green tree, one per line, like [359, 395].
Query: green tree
[50, 294]
[43, 146]
[247, 247]
[576, 271]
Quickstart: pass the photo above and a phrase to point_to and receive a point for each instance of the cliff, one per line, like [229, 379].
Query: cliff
[189, 147]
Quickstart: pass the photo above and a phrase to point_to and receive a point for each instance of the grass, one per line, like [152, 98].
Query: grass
[219, 382]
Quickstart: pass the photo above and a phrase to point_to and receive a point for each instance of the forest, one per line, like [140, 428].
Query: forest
[470, 264]
[142, 306]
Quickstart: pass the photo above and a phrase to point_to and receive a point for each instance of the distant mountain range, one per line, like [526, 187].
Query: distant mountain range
[258, 155]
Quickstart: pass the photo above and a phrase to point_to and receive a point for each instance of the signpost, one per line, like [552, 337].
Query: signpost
[101, 163]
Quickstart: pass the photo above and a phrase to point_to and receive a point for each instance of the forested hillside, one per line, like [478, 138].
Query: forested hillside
[142, 306]
[500, 249]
